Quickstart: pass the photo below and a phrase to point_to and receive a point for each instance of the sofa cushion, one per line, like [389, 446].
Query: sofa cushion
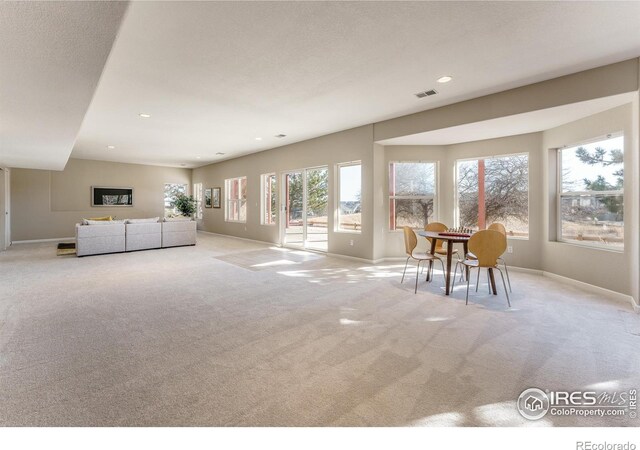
[150, 220]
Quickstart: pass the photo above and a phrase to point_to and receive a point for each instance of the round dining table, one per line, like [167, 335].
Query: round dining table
[450, 239]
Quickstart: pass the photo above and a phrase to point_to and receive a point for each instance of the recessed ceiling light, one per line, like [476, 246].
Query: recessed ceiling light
[144, 115]
[111, 147]
[444, 79]
[183, 165]
[258, 139]
[220, 153]
[197, 157]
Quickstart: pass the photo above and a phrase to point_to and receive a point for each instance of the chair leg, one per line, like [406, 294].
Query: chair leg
[455, 273]
[505, 287]
[478, 279]
[488, 282]
[507, 272]
[404, 271]
[417, 276]
[466, 299]
[444, 275]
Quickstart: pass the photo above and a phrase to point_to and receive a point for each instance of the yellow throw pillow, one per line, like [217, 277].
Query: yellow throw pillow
[101, 218]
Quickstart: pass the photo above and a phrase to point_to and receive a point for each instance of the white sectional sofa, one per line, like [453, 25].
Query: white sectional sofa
[131, 235]
[143, 236]
[98, 239]
[178, 233]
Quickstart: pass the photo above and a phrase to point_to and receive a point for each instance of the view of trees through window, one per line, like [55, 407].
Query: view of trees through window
[349, 213]
[412, 194]
[170, 191]
[494, 190]
[592, 195]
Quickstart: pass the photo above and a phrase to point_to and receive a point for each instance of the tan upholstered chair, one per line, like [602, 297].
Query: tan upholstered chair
[487, 246]
[410, 244]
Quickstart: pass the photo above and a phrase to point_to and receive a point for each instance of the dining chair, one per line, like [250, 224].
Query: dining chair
[410, 244]
[487, 246]
[438, 227]
[501, 228]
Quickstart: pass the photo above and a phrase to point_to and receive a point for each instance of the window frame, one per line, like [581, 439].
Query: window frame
[576, 194]
[456, 214]
[239, 200]
[263, 200]
[336, 228]
[198, 196]
[436, 203]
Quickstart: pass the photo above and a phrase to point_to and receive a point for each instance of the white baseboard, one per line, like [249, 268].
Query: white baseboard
[35, 241]
[613, 295]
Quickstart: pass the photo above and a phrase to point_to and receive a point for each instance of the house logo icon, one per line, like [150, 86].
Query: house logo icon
[533, 404]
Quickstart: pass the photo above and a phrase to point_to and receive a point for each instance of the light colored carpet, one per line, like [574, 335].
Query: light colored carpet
[236, 333]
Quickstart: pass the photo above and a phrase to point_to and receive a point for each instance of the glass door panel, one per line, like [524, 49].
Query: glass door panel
[317, 197]
[294, 204]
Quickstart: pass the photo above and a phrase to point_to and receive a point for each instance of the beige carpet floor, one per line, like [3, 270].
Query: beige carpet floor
[232, 333]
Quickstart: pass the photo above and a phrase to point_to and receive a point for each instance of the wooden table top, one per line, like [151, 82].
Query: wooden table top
[444, 237]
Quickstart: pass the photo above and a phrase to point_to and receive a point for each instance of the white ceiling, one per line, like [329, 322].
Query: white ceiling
[51, 59]
[530, 122]
[216, 75]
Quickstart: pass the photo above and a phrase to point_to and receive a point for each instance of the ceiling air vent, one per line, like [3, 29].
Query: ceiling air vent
[280, 136]
[428, 93]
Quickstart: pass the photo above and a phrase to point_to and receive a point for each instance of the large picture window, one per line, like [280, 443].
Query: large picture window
[591, 195]
[170, 192]
[494, 190]
[269, 204]
[350, 188]
[412, 194]
[236, 199]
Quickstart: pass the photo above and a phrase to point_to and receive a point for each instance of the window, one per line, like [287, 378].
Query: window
[591, 196]
[412, 194]
[494, 190]
[170, 192]
[349, 190]
[236, 192]
[197, 196]
[269, 205]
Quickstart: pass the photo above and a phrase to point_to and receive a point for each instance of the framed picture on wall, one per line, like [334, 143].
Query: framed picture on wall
[207, 198]
[216, 197]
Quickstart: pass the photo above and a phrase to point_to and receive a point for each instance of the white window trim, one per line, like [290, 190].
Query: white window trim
[456, 209]
[263, 205]
[560, 195]
[336, 228]
[239, 199]
[436, 203]
[198, 193]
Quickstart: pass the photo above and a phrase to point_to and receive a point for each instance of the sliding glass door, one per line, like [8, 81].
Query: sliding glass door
[305, 196]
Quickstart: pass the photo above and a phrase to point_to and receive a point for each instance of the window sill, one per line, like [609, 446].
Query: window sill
[348, 231]
[591, 247]
[236, 221]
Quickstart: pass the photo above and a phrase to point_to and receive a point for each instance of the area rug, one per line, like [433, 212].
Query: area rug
[66, 248]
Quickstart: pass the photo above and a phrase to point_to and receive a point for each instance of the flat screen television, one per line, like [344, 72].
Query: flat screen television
[111, 196]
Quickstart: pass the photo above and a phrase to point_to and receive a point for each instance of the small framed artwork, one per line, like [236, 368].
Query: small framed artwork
[216, 197]
[207, 198]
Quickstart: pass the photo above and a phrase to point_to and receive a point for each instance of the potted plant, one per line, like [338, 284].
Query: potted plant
[184, 204]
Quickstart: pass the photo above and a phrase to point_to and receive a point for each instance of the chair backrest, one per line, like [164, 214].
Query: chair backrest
[497, 226]
[436, 227]
[410, 240]
[487, 246]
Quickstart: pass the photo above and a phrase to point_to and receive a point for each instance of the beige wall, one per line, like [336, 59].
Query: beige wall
[605, 268]
[47, 204]
[350, 145]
